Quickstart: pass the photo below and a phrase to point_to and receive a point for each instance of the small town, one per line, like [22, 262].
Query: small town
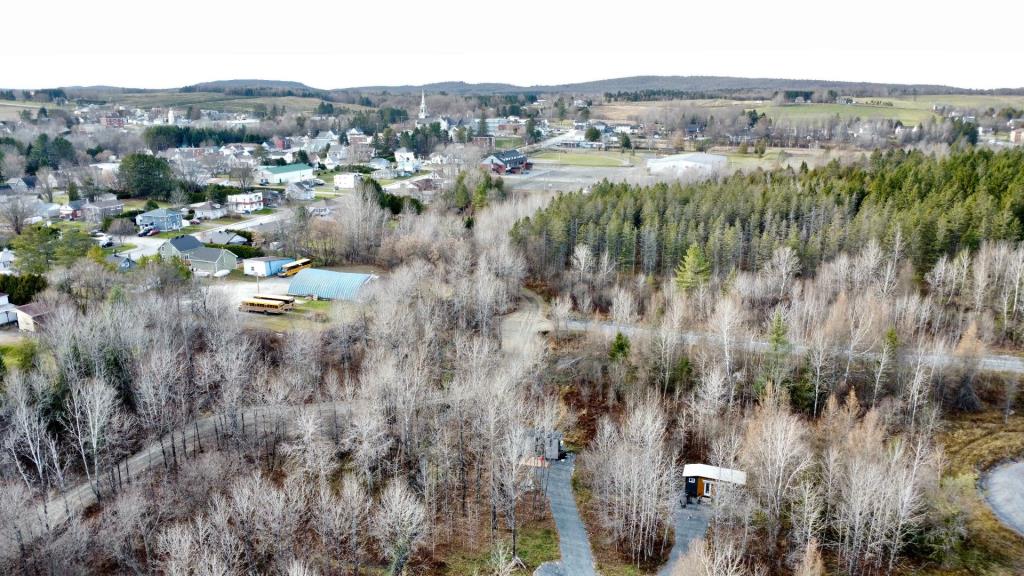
[424, 296]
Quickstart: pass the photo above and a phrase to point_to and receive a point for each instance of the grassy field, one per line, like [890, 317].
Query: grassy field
[908, 109]
[798, 113]
[11, 109]
[218, 101]
[973, 444]
[781, 157]
[508, 142]
[594, 158]
[536, 544]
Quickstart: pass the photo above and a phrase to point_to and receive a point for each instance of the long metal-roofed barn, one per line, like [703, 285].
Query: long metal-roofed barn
[328, 285]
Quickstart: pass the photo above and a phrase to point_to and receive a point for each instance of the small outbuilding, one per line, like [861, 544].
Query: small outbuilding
[264, 266]
[31, 317]
[328, 285]
[700, 479]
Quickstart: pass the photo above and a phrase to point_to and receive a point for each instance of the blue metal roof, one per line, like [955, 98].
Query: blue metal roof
[327, 285]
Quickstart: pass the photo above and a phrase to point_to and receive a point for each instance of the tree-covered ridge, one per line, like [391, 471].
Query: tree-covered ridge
[941, 205]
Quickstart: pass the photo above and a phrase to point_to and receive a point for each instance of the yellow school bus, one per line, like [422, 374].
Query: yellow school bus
[293, 268]
[288, 301]
[262, 306]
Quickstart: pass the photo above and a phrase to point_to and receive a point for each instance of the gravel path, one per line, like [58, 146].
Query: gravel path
[1003, 488]
[573, 542]
[690, 523]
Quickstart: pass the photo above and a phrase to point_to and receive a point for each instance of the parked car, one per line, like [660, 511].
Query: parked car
[145, 231]
[153, 232]
[95, 233]
[195, 222]
[108, 243]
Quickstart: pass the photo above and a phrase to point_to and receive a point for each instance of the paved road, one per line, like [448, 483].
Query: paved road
[689, 523]
[573, 542]
[999, 363]
[1003, 488]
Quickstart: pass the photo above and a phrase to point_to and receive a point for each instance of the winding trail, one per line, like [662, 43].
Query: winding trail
[1003, 489]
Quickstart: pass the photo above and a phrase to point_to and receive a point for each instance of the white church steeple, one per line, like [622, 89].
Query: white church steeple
[423, 105]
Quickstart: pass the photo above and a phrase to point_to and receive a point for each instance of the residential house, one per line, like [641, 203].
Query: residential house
[404, 155]
[178, 246]
[161, 219]
[336, 156]
[264, 266]
[245, 203]
[347, 180]
[284, 174]
[378, 163]
[227, 238]
[23, 185]
[8, 311]
[209, 210]
[73, 210]
[322, 140]
[304, 190]
[1017, 136]
[31, 316]
[100, 210]
[7, 259]
[507, 162]
[211, 261]
[121, 263]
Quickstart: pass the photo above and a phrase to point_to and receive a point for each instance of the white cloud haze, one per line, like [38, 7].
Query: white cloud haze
[342, 44]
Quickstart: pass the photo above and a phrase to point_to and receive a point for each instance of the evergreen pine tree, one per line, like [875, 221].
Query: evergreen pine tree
[693, 269]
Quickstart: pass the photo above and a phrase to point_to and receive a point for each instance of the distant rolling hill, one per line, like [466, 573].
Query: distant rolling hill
[697, 86]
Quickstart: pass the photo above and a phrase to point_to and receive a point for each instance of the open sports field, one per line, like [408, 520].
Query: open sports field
[581, 158]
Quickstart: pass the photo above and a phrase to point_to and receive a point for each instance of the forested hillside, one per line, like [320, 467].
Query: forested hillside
[941, 205]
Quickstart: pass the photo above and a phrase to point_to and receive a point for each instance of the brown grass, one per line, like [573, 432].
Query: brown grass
[973, 444]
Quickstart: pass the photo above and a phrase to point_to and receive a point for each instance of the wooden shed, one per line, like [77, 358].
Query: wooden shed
[700, 479]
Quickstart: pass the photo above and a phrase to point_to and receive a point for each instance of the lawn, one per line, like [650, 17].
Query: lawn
[508, 142]
[140, 204]
[597, 159]
[536, 544]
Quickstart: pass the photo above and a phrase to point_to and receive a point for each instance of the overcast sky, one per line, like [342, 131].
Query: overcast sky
[337, 44]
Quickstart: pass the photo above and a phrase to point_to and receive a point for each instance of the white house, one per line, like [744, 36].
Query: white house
[304, 190]
[404, 155]
[347, 180]
[696, 163]
[208, 210]
[245, 203]
[7, 259]
[284, 174]
[8, 311]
